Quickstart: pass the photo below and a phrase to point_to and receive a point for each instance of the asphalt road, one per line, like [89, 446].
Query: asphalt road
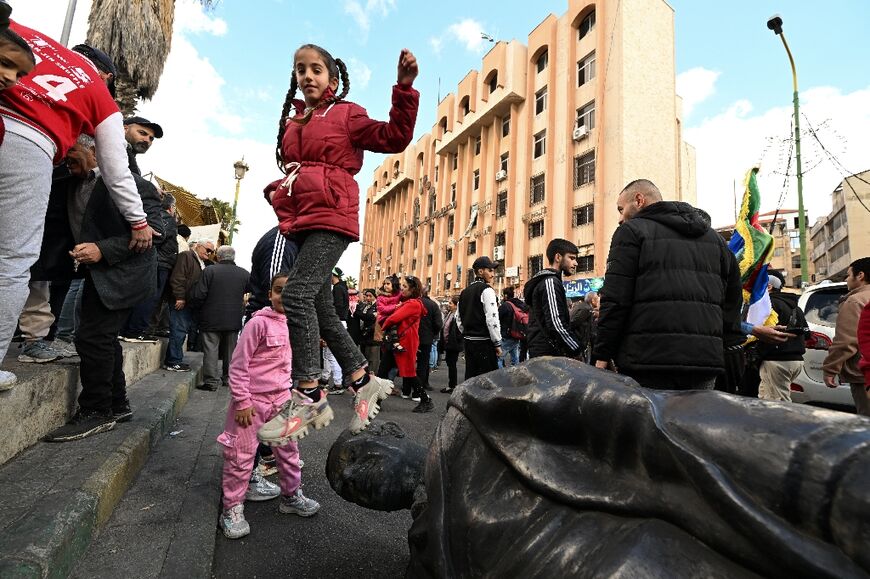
[342, 539]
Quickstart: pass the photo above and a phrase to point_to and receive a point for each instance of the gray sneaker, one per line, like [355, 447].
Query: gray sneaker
[64, 349]
[38, 352]
[366, 402]
[298, 504]
[260, 489]
[234, 524]
[7, 380]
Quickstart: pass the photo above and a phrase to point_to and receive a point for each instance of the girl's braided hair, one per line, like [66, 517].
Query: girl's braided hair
[336, 68]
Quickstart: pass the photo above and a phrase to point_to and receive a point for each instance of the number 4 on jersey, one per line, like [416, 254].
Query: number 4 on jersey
[56, 87]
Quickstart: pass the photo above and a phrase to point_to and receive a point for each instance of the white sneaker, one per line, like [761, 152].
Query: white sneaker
[234, 524]
[366, 402]
[261, 489]
[293, 420]
[7, 380]
[298, 504]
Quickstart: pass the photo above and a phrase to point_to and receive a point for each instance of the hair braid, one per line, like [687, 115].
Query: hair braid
[345, 79]
[282, 122]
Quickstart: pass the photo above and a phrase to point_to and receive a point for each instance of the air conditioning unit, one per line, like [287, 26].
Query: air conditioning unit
[501, 175]
[498, 252]
[580, 133]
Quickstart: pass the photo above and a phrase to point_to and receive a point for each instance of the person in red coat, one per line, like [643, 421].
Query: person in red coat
[864, 343]
[407, 319]
[320, 147]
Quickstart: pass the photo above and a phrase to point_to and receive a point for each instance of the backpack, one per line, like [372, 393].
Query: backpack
[519, 323]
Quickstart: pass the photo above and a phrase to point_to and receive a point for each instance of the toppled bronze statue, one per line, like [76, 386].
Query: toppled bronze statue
[556, 469]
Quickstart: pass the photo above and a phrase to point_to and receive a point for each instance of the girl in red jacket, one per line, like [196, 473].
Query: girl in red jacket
[321, 140]
[407, 319]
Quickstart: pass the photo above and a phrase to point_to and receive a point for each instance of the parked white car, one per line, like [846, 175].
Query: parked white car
[820, 304]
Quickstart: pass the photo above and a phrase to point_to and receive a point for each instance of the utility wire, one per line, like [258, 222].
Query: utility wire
[837, 164]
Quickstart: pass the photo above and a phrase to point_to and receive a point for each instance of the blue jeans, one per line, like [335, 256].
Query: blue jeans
[509, 347]
[179, 322]
[137, 323]
[70, 314]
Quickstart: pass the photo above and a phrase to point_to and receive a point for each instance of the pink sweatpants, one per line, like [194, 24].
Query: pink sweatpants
[240, 446]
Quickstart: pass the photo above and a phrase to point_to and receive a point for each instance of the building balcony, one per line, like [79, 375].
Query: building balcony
[838, 235]
[820, 247]
[838, 267]
[498, 105]
[399, 179]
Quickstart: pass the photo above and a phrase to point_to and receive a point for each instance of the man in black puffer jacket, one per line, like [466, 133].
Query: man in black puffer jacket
[664, 291]
[781, 363]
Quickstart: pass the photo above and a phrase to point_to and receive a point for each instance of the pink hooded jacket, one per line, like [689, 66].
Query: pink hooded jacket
[262, 359]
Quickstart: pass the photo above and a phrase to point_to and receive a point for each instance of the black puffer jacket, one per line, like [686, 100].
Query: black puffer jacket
[431, 323]
[785, 305]
[167, 246]
[663, 295]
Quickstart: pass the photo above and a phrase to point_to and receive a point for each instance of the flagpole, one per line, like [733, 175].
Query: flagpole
[775, 24]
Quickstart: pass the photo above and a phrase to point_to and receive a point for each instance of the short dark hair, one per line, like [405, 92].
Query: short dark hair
[454, 300]
[12, 37]
[861, 265]
[184, 231]
[560, 246]
[414, 285]
[167, 201]
[508, 292]
[278, 275]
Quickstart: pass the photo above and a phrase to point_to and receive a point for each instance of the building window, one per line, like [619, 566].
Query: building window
[503, 163]
[431, 232]
[436, 173]
[455, 161]
[586, 25]
[450, 220]
[416, 212]
[506, 126]
[432, 202]
[472, 247]
[493, 82]
[536, 264]
[477, 146]
[540, 144]
[583, 215]
[537, 190]
[779, 252]
[584, 169]
[465, 106]
[585, 263]
[448, 254]
[536, 229]
[586, 69]
[541, 63]
[413, 265]
[541, 101]
[453, 193]
[401, 246]
[501, 204]
[476, 179]
[416, 239]
[443, 126]
[500, 238]
[429, 259]
[586, 116]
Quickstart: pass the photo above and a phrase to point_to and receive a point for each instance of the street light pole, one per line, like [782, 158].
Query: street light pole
[775, 24]
[240, 168]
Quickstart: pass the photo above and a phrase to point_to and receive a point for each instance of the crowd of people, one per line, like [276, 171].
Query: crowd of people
[81, 229]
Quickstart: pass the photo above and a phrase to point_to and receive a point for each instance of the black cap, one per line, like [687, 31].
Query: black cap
[101, 60]
[483, 263]
[158, 130]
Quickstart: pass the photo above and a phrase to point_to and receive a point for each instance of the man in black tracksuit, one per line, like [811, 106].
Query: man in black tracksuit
[273, 254]
[550, 332]
[664, 292]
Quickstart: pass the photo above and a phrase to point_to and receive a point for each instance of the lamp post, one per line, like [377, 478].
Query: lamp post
[240, 168]
[774, 23]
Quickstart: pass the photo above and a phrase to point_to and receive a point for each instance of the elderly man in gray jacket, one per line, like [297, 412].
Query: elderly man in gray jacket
[220, 296]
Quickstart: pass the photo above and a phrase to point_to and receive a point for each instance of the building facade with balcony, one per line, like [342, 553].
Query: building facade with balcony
[537, 144]
[844, 234]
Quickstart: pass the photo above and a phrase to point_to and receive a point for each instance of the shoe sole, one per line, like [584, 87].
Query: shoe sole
[235, 535]
[96, 430]
[294, 511]
[125, 417]
[30, 360]
[137, 341]
[374, 407]
[261, 498]
[174, 370]
[321, 421]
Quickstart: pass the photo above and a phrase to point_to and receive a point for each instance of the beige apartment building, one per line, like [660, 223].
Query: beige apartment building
[844, 235]
[537, 144]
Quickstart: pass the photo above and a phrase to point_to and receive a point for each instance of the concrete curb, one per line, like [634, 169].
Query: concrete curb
[49, 542]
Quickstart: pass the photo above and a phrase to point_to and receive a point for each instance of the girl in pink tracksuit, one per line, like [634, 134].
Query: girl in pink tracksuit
[260, 385]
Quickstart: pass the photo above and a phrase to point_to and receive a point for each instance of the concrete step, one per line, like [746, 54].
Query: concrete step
[45, 395]
[56, 496]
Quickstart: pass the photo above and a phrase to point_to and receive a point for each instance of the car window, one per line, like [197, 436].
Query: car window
[822, 307]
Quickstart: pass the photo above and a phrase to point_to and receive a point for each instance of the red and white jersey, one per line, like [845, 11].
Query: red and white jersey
[62, 97]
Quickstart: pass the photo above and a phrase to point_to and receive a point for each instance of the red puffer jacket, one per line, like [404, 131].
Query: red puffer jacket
[329, 150]
[407, 318]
